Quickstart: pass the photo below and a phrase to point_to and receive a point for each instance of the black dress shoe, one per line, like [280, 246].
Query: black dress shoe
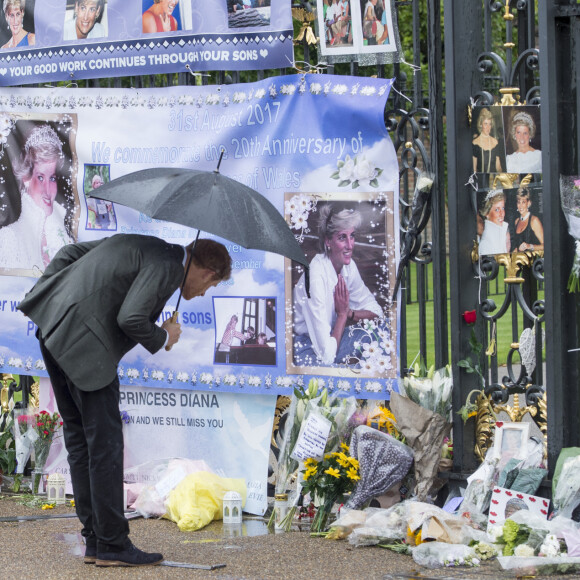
[90, 550]
[132, 556]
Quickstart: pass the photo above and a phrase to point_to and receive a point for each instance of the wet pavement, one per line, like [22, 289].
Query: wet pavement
[47, 545]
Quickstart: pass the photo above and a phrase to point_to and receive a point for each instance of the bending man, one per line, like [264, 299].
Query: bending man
[94, 303]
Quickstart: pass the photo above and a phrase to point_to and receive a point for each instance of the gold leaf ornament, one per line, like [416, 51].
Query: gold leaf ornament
[306, 18]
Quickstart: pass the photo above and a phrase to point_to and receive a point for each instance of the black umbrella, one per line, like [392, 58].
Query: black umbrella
[208, 201]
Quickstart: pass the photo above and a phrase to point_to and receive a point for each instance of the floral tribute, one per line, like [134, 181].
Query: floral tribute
[45, 425]
[329, 480]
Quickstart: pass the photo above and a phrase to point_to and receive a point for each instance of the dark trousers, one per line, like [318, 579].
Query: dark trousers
[93, 436]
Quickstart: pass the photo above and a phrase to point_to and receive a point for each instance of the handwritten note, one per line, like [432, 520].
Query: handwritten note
[312, 438]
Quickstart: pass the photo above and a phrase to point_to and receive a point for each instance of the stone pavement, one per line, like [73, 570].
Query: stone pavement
[50, 548]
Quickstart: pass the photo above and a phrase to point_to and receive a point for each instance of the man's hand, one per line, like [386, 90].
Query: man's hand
[173, 330]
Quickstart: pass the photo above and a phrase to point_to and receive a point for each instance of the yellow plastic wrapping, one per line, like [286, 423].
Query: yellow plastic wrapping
[198, 499]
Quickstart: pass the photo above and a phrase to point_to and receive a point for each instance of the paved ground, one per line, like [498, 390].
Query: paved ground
[50, 549]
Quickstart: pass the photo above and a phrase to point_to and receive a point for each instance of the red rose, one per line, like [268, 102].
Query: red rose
[45, 432]
[470, 316]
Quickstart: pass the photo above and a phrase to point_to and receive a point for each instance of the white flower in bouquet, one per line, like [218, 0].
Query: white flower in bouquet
[494, 532]
[550, 548]
[524, 551]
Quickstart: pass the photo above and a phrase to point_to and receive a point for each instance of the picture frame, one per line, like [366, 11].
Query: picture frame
[353, 32]
[374, 256]
[521, 217]
[510, 441]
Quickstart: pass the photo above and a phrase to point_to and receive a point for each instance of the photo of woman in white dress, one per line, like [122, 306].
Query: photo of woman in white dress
[521, 132]
[40, 230]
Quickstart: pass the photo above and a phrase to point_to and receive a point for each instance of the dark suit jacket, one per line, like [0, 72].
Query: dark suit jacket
[97, 300]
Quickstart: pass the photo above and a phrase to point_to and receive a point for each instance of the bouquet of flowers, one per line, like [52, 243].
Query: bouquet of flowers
[422, 411]
[333, 409]
[431, 389]
[570, 200]
[45, 425]
[329, 480]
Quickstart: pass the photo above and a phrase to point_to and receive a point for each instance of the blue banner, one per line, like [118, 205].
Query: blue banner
[57, 40]
[316, 146]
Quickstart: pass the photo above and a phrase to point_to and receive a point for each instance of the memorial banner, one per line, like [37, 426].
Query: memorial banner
[222, 433]
[315, 146]
[57, 40]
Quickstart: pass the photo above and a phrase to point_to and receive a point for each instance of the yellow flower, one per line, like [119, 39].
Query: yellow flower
[353, 474]
[47, 506]
[327, 456]
[354, 462]
[309, 473]
[333, 472]
[72, 503]
[310, 462]
[345, 447]
[343, 460]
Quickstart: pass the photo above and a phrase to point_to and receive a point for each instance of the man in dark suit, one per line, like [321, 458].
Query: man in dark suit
[94, 303]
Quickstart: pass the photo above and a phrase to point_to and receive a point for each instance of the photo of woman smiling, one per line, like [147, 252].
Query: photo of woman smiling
[339, 298]
[86, 21]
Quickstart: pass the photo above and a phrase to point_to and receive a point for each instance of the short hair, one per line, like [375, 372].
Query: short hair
[524, 119]
[213, 256]
[43, 145]
[491, 199]
[99, 3]
[515, 504]
[484, 115]
[12, 3]
[332, 221]
[524, 192]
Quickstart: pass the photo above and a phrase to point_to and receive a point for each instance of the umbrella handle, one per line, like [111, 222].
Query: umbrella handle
[173, 319]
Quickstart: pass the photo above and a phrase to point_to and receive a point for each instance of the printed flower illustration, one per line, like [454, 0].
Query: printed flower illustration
[356, 172]
[298, 209]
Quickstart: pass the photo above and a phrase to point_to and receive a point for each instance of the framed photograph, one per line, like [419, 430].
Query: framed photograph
[523, 139]
[350, 242]
[488, 144]
[511, 219]
[356, 26]
[511, 441]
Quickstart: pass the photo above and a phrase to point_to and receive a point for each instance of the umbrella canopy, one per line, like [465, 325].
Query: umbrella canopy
[208, 201]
